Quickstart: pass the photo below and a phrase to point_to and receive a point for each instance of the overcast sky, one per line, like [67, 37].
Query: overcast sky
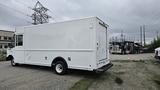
[121, 15]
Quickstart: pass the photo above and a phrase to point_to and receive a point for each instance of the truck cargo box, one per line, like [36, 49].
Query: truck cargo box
[76, 44]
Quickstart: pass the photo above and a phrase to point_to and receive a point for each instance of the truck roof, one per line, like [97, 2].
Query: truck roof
[157, 48]
[63, 22]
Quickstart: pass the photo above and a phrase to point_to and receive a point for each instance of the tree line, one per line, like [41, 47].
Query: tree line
[153, 45]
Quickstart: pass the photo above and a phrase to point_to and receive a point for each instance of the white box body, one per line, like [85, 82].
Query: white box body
[83, 44]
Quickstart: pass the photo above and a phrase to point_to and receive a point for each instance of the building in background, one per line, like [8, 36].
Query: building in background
[6, 39]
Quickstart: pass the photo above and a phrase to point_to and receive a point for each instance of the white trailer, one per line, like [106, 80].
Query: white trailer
[77, 44]
[157, 53]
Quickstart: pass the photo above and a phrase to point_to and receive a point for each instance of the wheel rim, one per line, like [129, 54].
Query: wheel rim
[13, 63]
[59, 68]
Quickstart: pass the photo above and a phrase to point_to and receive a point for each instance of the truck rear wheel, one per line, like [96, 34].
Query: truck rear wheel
[13, 63]
[60, 67]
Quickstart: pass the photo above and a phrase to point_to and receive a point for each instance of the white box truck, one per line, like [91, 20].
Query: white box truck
[76, 44]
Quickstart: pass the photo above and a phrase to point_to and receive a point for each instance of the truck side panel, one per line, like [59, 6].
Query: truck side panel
[79, 59]
[73, 40]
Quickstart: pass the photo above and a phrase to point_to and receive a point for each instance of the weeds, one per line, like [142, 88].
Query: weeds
[119, 80]
[82, 84]
[2, 57]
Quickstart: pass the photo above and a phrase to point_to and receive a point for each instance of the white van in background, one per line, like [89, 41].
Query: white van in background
[77, 44]
[157, 53]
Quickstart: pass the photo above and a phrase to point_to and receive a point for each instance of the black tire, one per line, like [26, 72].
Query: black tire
[60, 68]
[13, 63]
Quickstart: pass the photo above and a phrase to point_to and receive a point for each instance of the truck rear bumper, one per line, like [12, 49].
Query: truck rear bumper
[157, 57]
[104, 68]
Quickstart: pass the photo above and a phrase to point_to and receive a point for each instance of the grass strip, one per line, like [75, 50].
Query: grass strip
[83, 84]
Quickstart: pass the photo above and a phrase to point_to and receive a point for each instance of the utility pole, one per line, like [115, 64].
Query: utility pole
[122, 35]
[157, 34]
[144, 34]
[116, 39]
[40, 15]
[141, 35]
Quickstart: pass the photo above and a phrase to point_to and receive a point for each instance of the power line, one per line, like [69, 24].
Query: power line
[41, 5]
[40, 15]
[52, 17]
[25, 5]
[31, 9]
[15, 10]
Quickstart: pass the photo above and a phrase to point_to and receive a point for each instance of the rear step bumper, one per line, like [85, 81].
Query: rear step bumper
[104, 68]
[157, 57]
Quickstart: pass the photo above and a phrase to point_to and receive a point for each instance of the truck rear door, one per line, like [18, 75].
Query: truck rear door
[101, 44]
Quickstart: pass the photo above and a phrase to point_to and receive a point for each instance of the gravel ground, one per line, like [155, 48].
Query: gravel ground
[26, 77]
[127, 75]
[145, 56]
